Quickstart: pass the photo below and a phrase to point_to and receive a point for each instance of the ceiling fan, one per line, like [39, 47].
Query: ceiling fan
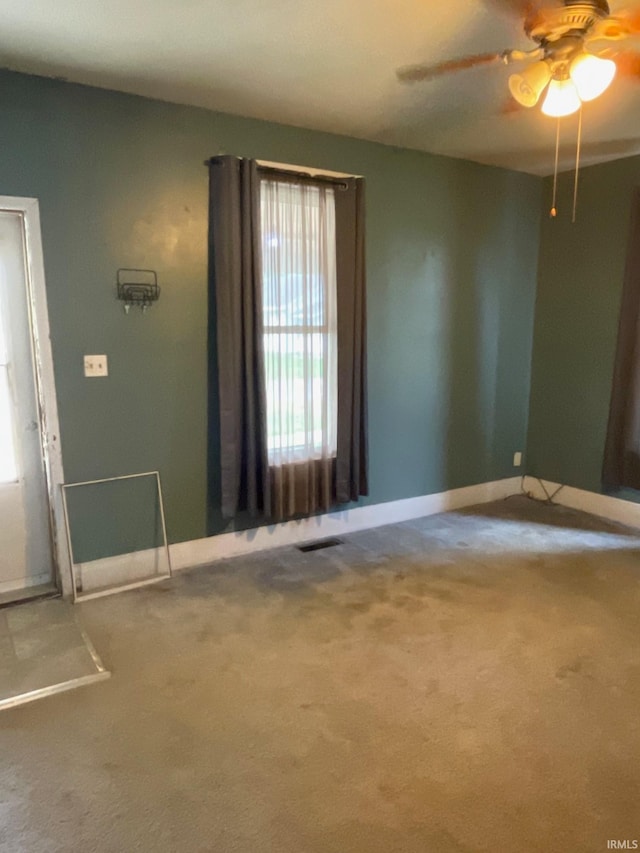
[571, 58]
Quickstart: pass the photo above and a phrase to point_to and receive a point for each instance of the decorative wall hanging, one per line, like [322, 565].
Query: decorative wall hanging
[138, 288]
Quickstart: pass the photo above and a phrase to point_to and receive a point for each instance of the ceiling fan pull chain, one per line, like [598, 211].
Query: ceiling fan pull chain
[578, 148]
[553, 213]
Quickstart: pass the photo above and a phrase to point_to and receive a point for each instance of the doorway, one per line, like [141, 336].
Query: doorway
[30, 465]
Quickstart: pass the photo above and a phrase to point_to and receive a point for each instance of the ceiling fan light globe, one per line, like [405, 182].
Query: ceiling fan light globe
[562, 99]
[527, 86]
[592, 75]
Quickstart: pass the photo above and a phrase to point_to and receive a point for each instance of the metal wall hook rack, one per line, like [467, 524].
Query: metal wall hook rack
[137, 287]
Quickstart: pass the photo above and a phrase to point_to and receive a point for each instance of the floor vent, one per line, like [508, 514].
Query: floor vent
[319, 545]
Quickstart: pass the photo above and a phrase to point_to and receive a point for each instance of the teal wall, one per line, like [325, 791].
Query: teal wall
[581, 271]
[116, 517]
[452, 254]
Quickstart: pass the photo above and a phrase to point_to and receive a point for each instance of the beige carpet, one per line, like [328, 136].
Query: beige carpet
[467, 682]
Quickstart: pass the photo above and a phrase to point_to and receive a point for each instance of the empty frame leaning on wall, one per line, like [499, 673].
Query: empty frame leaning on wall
[116, 534]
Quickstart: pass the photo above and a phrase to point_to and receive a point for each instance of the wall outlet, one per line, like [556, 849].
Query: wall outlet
[95, 365]
[517, 459]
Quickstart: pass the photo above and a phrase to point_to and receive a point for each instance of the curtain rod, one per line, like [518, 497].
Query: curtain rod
[306, 176]
[291, 173]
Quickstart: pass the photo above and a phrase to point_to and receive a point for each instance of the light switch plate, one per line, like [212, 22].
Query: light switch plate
[96, 365]
[517, 459]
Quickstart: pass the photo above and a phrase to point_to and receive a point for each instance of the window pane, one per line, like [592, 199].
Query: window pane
[297, 403]
[294, 299]
[8, 466]
[299, 303]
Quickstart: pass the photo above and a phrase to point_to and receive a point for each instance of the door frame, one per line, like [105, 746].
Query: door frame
[29, 211]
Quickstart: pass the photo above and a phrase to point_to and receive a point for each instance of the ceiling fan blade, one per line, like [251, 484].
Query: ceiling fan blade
[524, 9]
[617, 26]
[628, 64]
[416, 73]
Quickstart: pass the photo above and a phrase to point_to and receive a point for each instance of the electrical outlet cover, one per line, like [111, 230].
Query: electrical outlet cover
[95, 365]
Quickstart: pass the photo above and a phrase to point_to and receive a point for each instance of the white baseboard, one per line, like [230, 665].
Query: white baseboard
[131, 569]
[613, 509]
[122, 570]
[199, 552]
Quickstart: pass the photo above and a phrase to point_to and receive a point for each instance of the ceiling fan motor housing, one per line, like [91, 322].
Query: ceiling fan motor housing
[576, 16]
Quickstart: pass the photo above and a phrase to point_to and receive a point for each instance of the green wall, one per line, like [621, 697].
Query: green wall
[452, 255]
[581, 271]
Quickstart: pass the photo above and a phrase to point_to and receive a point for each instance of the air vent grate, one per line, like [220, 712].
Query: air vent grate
[319, 545]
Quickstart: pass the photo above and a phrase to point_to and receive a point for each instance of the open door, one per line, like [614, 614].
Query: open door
[28, 553]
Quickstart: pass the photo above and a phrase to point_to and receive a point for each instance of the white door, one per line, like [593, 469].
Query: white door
[25, 540]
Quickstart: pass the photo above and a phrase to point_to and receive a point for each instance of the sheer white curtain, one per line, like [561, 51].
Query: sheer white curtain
[300, 341]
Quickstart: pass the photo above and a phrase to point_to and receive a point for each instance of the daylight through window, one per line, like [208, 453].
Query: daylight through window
[300, 322]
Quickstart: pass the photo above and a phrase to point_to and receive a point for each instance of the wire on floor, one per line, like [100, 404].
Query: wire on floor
[548, 499]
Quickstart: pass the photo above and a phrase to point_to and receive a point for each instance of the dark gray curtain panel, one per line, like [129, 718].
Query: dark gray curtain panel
[622, 451]
[302, 489]
[236, 285]
[352, 451]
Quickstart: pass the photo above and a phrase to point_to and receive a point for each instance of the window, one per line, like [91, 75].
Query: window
[300, 319]
[287, 284]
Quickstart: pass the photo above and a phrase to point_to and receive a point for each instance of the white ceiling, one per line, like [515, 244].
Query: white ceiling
[322, 64]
